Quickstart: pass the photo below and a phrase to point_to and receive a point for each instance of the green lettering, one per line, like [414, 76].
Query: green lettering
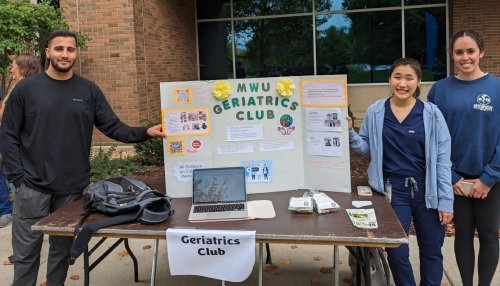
[266, 88]
[259, 98]
[259, 114]
[254, 87]
[251, 101]
[217, 109]
[239, 115]
[241, 87]
[235, 102]
[284, 102]
[270, 114]
[269, 100]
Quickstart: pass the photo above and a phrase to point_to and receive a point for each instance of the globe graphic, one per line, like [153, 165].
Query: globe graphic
[286, 120]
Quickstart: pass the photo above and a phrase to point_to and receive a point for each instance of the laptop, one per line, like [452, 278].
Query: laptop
[219, 194]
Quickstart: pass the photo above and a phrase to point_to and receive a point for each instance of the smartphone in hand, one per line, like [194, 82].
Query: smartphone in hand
[467, 186]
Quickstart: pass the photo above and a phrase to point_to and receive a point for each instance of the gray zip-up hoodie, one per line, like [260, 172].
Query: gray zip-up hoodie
[439, 191]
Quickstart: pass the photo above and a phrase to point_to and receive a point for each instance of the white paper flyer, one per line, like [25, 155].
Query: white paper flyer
[363, 218]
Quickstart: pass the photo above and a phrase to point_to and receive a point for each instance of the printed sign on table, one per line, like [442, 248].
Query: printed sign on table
[219, 254]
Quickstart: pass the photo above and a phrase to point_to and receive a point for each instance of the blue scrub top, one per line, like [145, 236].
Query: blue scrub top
[404, 144]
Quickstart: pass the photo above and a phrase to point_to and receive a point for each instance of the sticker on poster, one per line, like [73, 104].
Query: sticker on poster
[286, 122]
[258, 171]
[195, 146]
[184, 170]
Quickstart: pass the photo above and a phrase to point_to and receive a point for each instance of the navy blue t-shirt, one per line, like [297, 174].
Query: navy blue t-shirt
[404, 143]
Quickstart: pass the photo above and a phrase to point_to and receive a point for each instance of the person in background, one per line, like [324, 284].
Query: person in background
[45, 139]
[240, 70]
[438, 70]
[470, 103]
[22, 66]
[408, 144]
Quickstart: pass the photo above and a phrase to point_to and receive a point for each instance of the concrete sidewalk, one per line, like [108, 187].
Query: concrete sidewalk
[292, 265]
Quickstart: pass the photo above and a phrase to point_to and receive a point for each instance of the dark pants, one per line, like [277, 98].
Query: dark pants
[31, 206]
[5, 204]
[483, 215]
[430, 238]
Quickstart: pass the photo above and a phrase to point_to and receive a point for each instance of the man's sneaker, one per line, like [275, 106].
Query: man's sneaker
[5, 220]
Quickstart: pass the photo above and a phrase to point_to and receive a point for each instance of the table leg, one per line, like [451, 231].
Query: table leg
[366, 266]
[86, 269]
[155, 262]
[335, 265]
[134, 260]
[261, 262]
[269, 259]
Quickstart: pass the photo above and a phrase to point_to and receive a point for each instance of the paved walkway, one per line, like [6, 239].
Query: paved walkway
[293, 265]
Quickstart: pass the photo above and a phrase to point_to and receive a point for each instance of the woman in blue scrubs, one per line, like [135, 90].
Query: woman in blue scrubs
[408, 143]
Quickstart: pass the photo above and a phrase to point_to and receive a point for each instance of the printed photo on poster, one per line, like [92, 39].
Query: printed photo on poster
[258, 171]
[324, 144]
[323, 119]
[189, 121]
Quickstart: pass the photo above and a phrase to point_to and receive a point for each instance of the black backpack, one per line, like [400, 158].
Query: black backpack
[124, 199]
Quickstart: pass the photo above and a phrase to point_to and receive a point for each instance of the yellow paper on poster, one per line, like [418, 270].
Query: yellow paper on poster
[325, 92]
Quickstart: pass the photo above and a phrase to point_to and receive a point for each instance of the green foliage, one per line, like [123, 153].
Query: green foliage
[149, 152]
[104, 165]
[24, 28]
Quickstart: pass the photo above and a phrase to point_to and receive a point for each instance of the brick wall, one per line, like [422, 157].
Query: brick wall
[134, 46]
[481, 16]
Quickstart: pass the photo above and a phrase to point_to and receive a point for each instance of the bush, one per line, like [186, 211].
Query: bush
[150, 152]
[104, 165]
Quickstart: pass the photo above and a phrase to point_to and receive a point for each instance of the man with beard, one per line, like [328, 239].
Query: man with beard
[45, 140]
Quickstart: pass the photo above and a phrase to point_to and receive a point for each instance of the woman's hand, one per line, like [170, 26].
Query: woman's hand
[349, 122]
[445, 217]
[458, 188]
[479, 189]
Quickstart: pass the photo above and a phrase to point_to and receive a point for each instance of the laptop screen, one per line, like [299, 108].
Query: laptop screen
[219, 185]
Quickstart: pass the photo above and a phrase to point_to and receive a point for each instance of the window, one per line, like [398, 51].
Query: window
[289, 37]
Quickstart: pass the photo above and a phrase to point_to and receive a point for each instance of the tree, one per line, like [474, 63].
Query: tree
[24, 28]
[373, 31]
[274, 42]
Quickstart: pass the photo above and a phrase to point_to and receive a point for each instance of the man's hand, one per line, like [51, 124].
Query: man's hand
[156, 132]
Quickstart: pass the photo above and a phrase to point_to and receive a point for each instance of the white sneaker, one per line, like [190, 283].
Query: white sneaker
[5, 220]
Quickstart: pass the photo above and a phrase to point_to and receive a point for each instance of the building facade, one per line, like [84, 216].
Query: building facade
[136, 44]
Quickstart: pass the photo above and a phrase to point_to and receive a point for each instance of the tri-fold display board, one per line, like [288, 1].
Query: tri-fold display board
[288, 132]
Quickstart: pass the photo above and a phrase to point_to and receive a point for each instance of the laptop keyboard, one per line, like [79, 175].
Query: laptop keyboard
[219, 208]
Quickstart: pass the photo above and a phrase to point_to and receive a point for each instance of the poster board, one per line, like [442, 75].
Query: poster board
[288, 132]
